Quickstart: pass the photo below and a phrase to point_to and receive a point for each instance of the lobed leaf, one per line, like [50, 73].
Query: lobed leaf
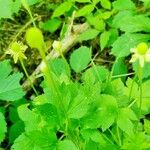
[10, 89]
[80, 58]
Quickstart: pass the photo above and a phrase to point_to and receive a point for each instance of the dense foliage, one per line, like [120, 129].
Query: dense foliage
[93, 97]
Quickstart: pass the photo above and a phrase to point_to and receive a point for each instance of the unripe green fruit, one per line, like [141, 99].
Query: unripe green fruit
[34, 38]
[16, 47]
[142, 48]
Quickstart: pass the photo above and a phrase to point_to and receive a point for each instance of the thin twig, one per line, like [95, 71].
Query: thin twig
[67, 43]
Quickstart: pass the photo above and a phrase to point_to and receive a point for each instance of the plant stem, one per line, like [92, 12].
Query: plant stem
[49, 77]
[26, 6]
[123, 75]
[131, 88]
[140, 88]
[27, 75]
[64, 59]
[118, 134]
[114, 137]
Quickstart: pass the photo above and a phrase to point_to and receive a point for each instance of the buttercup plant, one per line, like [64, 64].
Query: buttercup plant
[35, 39]
[141, 53]
[86, 99]
[17, 50]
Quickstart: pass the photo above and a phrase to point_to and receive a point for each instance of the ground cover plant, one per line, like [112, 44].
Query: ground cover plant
[74, 75]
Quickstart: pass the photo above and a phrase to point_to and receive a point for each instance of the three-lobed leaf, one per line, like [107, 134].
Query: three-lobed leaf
[108, 111]
[44, 139]
[124, 120]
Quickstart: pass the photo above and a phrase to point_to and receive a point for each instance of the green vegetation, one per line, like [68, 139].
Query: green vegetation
[75, 75]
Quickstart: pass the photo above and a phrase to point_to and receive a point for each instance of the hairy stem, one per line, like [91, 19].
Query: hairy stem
[27, 75]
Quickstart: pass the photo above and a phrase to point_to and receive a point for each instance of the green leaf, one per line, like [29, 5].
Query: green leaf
[92, 134]
[121, 47]
[87, 9]
[137, 141]
[61, 9]
[118, 91]
[106, 15]
[136, 24]
[80, 58]
[16, 5]
[131, 84]
[13, 114]
[95, 74]
[32, 2]
[42, 116]
[145, 98]
[108, 111]
[113, 36]
[121, 17]
[66, 145]
[5, 69]
[147, 126]
[96, 22]
[125, 115]
[79, 106]
[88, 34]
[10, 89]
[146, 3]
[119, 67]
[3, 127]
[5, 11]
[9, 7]
[91, 121]
[51, 25]
[30, 119]
[98, 140]
[59, 67]
[48, 115]
[104, 38]
[15, 130]
[95, 1]
[35, 140]
[106, 4]
[146, 68]
[82, 1]
[123, 4]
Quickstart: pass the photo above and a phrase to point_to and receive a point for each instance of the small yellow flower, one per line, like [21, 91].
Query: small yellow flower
[17, 50]
[141, 53]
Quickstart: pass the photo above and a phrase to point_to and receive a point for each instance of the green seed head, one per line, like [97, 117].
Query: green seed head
[16, 47]
[142, 48]
[34, 38]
